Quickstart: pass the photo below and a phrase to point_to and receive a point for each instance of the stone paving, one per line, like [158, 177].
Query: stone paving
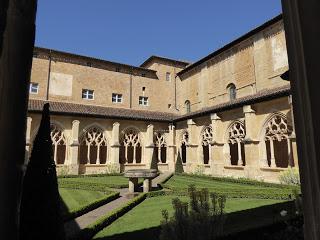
[74, 226]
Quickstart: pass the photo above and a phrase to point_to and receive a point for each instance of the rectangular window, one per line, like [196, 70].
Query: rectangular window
[168, 76]
[87, 94]
[143, 101]
[34, 88]
[116, 98]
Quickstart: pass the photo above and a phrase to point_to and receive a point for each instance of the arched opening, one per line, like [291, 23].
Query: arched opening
[130, 150]
[183, 152]
[232, 91]
[237, 151]
[59, 147]
[206, 140]
[183, 146]
[161, 147]
[187, 106]
[277, 142]
[93, 147]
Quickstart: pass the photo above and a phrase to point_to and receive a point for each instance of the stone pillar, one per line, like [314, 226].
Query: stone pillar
[293, 155]
[251, 144]
[171, 148]
[113, 164]
[28, 140]
[147, 185]
[149, 148]
[74, 149]
[191, 151]
[217, 163]
[133, 183]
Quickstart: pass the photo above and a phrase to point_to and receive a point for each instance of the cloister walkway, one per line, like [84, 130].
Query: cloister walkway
[74, 226]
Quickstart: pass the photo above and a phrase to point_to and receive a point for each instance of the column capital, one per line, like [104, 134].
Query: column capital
[190, 122]
[248, 109]
[214, 116]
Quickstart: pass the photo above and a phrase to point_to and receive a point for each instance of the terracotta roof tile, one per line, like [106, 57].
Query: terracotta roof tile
[65, 108]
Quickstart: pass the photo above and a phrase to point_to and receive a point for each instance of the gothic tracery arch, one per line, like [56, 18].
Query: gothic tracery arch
[277, 141]
[206, 140]
[59, 143]
[130, 151]
[236, 135]
[160, 139]
[93, 146]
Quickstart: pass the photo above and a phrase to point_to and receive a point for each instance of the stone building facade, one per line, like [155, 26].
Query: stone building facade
[228, 114]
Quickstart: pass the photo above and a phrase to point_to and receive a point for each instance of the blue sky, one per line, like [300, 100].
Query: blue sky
[129, 31]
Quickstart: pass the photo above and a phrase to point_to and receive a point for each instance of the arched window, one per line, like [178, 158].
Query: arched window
[93, 146]
[183, 147]
[232, 91]
[206, 136]
[130, 151]
[58, 144]
[278, 145]
[161, 147]
[236, 135]
[187, 106]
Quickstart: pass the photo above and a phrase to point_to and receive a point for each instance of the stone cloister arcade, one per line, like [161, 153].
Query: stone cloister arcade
[221, 148]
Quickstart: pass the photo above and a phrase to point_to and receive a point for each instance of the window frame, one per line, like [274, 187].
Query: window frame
[143, 101]
[187, 105]
[232, 90]
[168, 76]
[85, 94]
[31, 86]
[117, 97]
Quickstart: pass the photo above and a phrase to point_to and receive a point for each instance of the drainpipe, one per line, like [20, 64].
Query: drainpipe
[130, 106]
[49, 73]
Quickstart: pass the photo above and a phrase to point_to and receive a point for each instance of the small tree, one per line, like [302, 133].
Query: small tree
[40, 204]
[204, 220]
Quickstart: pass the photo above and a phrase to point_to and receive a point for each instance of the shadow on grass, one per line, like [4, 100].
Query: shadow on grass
[248, 224]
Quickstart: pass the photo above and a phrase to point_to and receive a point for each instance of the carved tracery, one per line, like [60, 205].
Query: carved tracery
[58, 143]
[132, 146]
[94, 144]
[161, 146]
[236, 134]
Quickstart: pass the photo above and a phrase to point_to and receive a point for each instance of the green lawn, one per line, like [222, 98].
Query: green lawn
[76, 198]
[180, 183]
[98, 182]
[148, 214]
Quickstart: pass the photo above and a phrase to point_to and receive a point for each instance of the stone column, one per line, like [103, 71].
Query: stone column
[113, 164]
[217, 163]
[191, 148]
[251, 144]
[171, 148]
[28, 140]
[147, 185]
[133, 183]
[149, 148]
[74, 149]
[293, 155]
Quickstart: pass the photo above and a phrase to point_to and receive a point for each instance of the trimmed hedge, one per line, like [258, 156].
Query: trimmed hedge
[85, 186]
[91, 206]
[91, 230]
[90, 175]
[238, 180]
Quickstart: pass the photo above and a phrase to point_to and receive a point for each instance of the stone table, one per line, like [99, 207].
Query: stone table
[146, 174]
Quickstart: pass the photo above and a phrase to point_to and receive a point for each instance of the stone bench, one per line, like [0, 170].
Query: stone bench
[135, 174]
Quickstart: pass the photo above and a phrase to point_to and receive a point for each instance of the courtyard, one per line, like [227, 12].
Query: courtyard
[250, 204]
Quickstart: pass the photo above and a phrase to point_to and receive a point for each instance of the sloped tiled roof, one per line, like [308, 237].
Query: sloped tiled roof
[65, 108]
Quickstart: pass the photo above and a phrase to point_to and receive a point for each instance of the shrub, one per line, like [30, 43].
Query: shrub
[203, 220]
[290, 176]
[40, 216]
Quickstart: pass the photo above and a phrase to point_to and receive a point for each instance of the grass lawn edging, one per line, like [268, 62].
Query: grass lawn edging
[90, 175]
[91, 230]
[239, 180]
[91, 206]
[85, 186]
